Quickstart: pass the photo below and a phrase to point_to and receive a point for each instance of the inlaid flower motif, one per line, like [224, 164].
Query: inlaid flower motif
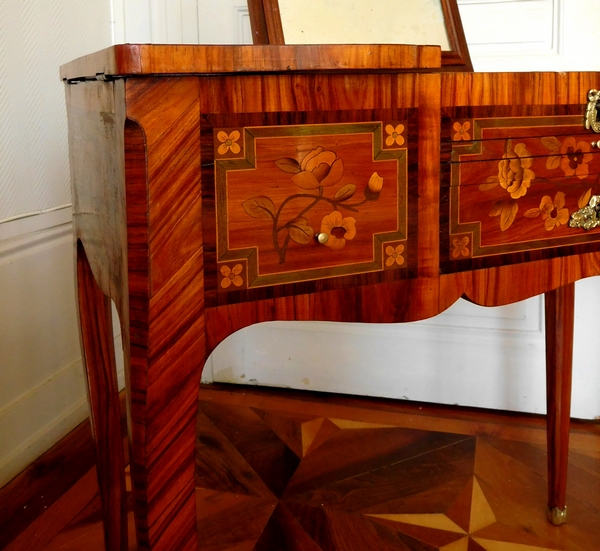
[231, 275]
[514, 172]
[338, 229]
[394, 255]
[228, 142]
[394, 134]
[319, 168]
[460, 247]
[553, 212]
[575, 157]
[461, 131]
[375, 183]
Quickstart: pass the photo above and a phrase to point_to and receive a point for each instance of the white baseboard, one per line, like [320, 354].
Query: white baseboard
[26, 434]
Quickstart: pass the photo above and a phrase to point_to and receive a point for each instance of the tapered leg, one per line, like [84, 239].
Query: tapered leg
[100, 369]
[560, 306]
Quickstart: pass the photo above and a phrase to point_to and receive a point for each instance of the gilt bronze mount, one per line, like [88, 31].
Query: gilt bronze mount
[587, 218]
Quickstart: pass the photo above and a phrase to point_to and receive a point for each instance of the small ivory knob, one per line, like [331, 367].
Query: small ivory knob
[595, 144]
[322, 238]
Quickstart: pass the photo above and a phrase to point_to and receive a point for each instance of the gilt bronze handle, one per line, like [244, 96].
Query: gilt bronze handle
[591, 112]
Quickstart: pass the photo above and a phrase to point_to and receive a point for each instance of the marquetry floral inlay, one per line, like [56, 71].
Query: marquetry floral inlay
[514, 172]
[315, 173]
[460, 247]
[575, 158]
[394, 255]
[518, 185]
[571, 156]
[584, 199]
[515, 176]
[228, 142]
[338, 229]
[553, 213]
[231, 276]
[394, 134]
[461, 131]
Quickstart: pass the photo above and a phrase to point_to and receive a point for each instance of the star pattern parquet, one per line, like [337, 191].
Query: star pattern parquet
[295, 480]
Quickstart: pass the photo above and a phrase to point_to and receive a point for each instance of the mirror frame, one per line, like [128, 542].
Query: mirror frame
[265, 21]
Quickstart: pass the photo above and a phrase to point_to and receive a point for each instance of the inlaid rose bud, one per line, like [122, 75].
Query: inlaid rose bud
[375, 182]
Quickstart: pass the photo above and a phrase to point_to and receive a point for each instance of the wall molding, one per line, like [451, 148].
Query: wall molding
[31, 223]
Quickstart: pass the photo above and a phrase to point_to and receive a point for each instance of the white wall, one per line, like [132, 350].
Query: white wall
[42, 396]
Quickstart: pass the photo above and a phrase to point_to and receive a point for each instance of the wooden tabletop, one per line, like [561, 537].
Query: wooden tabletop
[157, 59]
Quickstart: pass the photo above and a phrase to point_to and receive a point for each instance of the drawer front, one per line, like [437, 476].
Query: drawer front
[510, 186]
[296, 203]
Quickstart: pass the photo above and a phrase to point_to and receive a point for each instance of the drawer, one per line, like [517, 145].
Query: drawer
[295, 202]
[510, 185]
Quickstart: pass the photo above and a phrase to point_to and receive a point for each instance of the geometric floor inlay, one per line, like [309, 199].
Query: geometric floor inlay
[280, 481]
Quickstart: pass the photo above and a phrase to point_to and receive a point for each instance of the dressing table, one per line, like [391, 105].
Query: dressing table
[215, 187]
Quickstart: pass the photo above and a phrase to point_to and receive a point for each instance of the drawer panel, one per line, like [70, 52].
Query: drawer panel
[510, 186]
[296, 203]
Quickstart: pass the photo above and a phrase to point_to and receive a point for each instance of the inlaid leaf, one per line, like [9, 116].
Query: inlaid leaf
[260, 207]
[584, 199]
[345, 192]
[492, 182]
[551, 143]
[287, 164]
[553, 162]
[299, 231]
[532, 213]
[508, 215]
[497, 208]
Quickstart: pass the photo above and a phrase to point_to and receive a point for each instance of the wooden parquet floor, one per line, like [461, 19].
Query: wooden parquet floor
[289, 471]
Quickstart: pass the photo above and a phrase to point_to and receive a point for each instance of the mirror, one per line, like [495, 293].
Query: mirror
[367, 22]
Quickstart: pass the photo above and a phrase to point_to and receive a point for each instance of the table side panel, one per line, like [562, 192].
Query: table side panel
[96, 113]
